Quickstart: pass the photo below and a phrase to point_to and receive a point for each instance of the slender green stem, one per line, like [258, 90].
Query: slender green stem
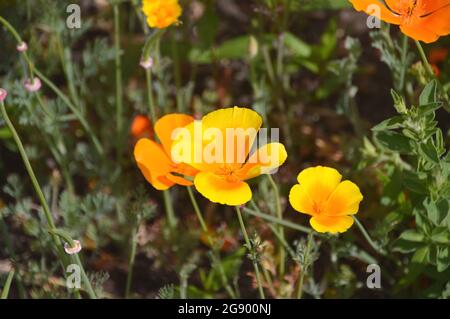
[10, 250]
[131, 261]
[249, 248]
[269, 65]
[424, 59]
[215, 252]
[282, 252]
[30, 171]
[199, 214]
[66, 63]
[38, 190]
[281, 240]
[366, 235]
[7, 286]
[257, 212]
[62, 149]
[118, 69]
[150, 97]
[403, 57]
[86, 280]
[305, 266]
[172, 219]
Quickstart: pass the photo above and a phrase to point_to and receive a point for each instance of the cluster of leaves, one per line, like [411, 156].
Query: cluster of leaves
[416, 167]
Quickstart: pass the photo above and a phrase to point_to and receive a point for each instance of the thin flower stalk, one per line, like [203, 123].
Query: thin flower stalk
[249, 248]
[48, 215]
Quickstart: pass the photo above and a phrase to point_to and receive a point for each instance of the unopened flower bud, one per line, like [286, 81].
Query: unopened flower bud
[22, 47]
[3, 94]
[146, 63]
[252, 47]
[32, 85]
[75, 249]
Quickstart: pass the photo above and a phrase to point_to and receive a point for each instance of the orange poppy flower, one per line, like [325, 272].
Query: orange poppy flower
[222, 179]
[424, 20]
[141, 127]
[321, 194]
[153, 159]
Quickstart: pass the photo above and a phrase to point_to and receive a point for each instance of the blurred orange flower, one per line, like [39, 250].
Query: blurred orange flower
[161, 13]
[321, 194]
[424, 20]
[154, 159]
[437, 56]
[141, 127]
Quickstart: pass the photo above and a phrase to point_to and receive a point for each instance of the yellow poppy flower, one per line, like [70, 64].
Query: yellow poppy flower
[161, 13]
[321, 194]
[222, 179]
[154, 160]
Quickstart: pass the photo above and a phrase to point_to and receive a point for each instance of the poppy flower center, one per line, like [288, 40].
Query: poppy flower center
[317, 208]
[231, 172]
[408, 9]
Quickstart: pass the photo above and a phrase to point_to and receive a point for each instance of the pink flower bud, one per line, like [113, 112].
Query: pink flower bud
[22, 47]
[73, 250]
[146, 64]
[3, 94]
[33, 85]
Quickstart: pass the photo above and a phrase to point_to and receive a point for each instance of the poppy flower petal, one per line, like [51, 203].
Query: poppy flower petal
[219, 190]
[326, 224]
[385, 14]
[344, 200]
[438, 21]
[319, 182]
[265, 160]
[166, 126]
[153, 162]
[419, 32]
[244, 121]
[178, 180]
[431, 6]
[300, 200]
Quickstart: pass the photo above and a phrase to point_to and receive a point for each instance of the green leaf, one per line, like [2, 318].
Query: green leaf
[5, 133]
[426, 109]
[443, 258]
[412, 235]
[414, 183]
[296, 45]
[436, 211]
[399, 102]
[394, 141]
[405, 246]
[389, 124]
[429, 151]
[421, 255]
[428, 94]
[440, 235]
